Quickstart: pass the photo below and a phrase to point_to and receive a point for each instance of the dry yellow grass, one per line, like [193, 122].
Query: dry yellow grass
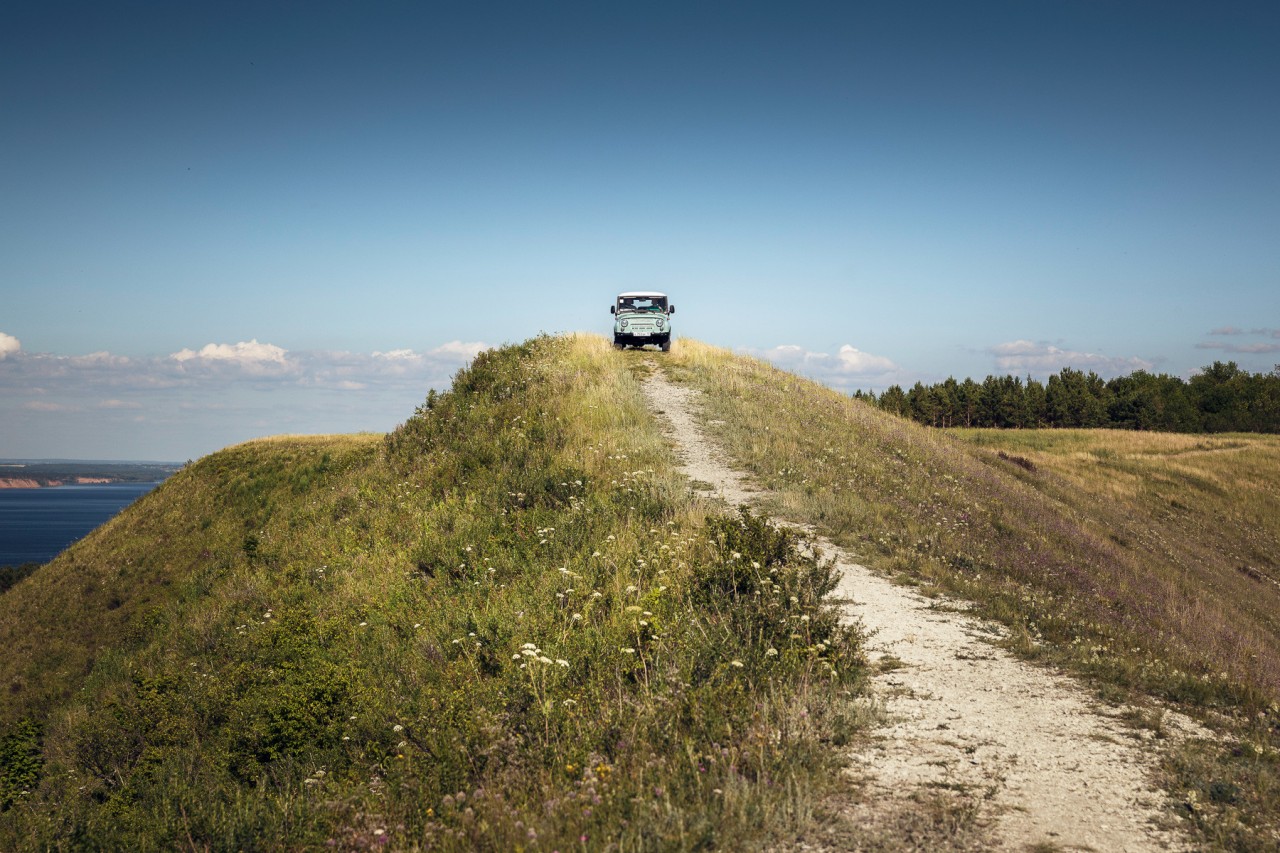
[1145, 562]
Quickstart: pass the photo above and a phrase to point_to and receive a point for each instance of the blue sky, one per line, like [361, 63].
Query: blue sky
[332, 206]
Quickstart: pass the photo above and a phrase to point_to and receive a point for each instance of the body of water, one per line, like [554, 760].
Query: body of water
[37, 524]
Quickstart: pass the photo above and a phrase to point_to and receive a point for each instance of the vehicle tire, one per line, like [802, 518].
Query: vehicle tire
[666, 346]
[617, 345]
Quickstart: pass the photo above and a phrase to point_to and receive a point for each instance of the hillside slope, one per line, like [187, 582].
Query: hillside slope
[508, 624]
[512, 624]
[1150, 579]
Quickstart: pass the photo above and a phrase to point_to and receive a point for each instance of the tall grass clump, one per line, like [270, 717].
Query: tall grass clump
[1146, 564]
[506, 625]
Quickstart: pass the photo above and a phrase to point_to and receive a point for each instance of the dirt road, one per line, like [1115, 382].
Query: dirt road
[1038, 760]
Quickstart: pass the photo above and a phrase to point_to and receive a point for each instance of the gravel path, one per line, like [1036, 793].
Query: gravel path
[1046, 765]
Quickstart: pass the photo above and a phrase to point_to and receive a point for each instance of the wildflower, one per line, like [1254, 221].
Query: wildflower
[562, 662]
[577, 617]
[397, 728]
[736, 662]
[771, 652]
[629, 651]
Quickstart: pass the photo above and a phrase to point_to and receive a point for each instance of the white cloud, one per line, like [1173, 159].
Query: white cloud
[1042, 359]
[1256, 348]
[397, 355]
[245, 352]
[98, 359]
[1248, 349]
[858, 362]
[199, 399]
[848, 369]
[9, 345]
[218, 368]
[460, 349]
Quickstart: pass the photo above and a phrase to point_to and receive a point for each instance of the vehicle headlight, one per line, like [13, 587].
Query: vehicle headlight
[660, 322]
[623, 324]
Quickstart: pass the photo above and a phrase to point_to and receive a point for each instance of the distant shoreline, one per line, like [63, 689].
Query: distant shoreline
[19, 474]
[44, 483]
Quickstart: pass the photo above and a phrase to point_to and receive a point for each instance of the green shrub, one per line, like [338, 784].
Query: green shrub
[21, 761]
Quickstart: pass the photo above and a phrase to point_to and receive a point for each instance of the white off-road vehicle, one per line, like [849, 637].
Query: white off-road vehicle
[641, 318]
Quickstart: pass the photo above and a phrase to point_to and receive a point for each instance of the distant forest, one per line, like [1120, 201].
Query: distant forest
[1221, 398]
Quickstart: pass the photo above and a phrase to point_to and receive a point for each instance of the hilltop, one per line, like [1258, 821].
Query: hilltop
[513, 623]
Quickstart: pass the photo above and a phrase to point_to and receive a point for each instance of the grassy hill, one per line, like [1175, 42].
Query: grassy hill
[506, 625]
[1146, 563]
[510, 624]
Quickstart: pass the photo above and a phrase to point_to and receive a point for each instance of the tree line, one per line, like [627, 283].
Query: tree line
[1220, 398]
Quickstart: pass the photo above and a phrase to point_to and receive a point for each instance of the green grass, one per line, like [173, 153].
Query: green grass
[507, 625]
[511, 624]
[1145, 564]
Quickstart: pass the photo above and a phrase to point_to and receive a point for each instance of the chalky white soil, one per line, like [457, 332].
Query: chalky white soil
[1044, 764]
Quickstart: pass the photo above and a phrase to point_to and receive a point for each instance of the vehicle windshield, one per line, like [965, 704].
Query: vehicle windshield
[642, 303]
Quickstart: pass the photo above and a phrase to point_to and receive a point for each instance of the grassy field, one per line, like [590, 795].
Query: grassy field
[1145, 563]
[507, 625]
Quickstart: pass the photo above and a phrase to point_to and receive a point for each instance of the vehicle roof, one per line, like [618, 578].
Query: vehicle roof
[642, 293]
